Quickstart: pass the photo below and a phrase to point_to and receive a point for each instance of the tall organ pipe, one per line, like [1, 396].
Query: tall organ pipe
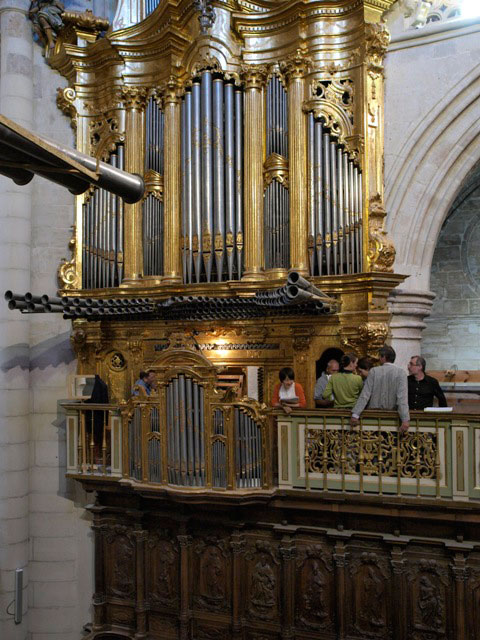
[320, 227]
[239, 177]
[197, 179]
[346, 200]
[218, 241]
[341, 238]
[333, 178]
[188, 186]
[327, 201]
[229, 177]
[207, 172]
[311, 184]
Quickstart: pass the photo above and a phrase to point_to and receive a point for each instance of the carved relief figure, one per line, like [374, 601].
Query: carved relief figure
[263, 584]
[123, 568]
[315, 592]
[214, 574]
[429, 603]
[46, 16]
[163, 582]
[373, 589]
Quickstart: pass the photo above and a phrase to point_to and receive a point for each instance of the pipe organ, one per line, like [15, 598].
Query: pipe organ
[259, 243]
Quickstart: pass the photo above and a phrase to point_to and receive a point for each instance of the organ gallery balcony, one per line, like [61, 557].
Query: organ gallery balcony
[182, 440]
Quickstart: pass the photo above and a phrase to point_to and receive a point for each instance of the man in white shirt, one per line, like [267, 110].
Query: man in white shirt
[332, 367]
[385, 388]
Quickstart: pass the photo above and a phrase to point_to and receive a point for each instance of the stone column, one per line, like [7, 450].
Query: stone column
[135, 101]
[295, 69]
[172, 174]
[254, 126]
[16, 102]
[409, 309]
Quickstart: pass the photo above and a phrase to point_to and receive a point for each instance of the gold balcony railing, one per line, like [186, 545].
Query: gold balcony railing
[178, 438]
[184, 439]
[439, 456]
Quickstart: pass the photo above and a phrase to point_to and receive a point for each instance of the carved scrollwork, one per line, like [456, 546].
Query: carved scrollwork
[381, 252]
[105, 134]
[163, 578]
[153, 184]
[67, 273]
[368, 339]
[66, 103]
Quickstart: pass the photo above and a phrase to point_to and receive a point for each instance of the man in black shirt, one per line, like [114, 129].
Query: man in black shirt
[422, 388]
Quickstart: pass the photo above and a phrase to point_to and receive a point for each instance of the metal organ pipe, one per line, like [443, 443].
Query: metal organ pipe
[218, 240]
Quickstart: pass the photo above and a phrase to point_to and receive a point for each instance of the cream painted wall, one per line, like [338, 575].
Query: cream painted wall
[432, 141]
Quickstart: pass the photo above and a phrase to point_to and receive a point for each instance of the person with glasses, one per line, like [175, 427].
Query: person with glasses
[422, 389]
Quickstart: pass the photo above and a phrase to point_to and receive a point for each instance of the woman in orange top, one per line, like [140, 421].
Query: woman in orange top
[288, 394]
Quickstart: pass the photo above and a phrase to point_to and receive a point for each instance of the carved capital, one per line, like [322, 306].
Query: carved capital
[171, 91]
[254, 77]
[184, 541]
[296, 65]
[67, 273]
[377, 39]
[66, 103]
[381, 252]
[134, 97]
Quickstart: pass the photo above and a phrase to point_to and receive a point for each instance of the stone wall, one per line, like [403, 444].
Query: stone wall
[44, 528]
[452, 335]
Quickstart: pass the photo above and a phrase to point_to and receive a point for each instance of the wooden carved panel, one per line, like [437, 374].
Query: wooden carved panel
[162, 570]
[262, 581]
[212, 566]
[472, 604]
[314, 588]
[370, 575]
[120, 562]
[428, 600]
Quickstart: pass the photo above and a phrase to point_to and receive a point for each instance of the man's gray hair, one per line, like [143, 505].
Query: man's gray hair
[421, 361]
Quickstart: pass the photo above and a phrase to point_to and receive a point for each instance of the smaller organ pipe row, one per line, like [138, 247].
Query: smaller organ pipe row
[212, 179]
[336, 209]
[277, 226]
[102, 235]
[248, 451]
[276, 209]
[277, 120]
[219, 454]
[135, 444]
[154, 137]
[153, 234]
[185, 432]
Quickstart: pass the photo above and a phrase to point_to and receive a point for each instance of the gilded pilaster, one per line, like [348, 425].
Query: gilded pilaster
[172, 169]
[135, 99]
[295, 68]
[375, 241]
[254, 126]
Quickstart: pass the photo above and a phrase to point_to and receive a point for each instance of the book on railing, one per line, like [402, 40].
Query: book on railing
[438, 409]
[289, 400]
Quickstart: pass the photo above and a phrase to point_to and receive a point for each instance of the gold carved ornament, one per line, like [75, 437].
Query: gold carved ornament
[105, 134]
[381, 252]
[67, 274]
[275, 168]
[66, 103]
[369, 338]
[377, 39]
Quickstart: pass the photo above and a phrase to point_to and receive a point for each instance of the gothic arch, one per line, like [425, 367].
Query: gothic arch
[423, 182]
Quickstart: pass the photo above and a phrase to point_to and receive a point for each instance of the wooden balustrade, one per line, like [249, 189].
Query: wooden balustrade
[231, 447]
[439, 456]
